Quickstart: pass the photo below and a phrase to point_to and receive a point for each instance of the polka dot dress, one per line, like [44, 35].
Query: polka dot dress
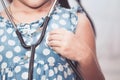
[48, 65]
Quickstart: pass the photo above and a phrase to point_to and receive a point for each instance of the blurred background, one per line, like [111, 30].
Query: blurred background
[105, 15]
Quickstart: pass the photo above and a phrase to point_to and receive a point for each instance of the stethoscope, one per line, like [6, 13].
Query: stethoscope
[33, 46]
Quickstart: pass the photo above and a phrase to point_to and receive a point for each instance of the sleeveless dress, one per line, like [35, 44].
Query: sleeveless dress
[48, 65]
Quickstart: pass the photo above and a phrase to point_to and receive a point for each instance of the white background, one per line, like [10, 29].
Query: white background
[106, 17]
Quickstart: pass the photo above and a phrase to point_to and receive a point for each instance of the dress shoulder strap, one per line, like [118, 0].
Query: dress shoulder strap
[76, 5]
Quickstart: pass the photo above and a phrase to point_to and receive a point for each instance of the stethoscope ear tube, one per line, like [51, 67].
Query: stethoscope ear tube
[44, 29]
[8, 14]
[74, 68]
[21, 40]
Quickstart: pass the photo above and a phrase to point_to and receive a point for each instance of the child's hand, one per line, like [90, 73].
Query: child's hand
[63, 42]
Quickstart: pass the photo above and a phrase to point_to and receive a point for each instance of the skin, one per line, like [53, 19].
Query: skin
[29, 10]
[82, 49]
[78, 46]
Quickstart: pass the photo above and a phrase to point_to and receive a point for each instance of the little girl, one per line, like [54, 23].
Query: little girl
[68, 35]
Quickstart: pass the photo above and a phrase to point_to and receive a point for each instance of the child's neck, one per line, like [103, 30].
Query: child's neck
[23, 14]
[18, 6]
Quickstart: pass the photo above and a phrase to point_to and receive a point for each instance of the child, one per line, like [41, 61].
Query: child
[68, 35]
